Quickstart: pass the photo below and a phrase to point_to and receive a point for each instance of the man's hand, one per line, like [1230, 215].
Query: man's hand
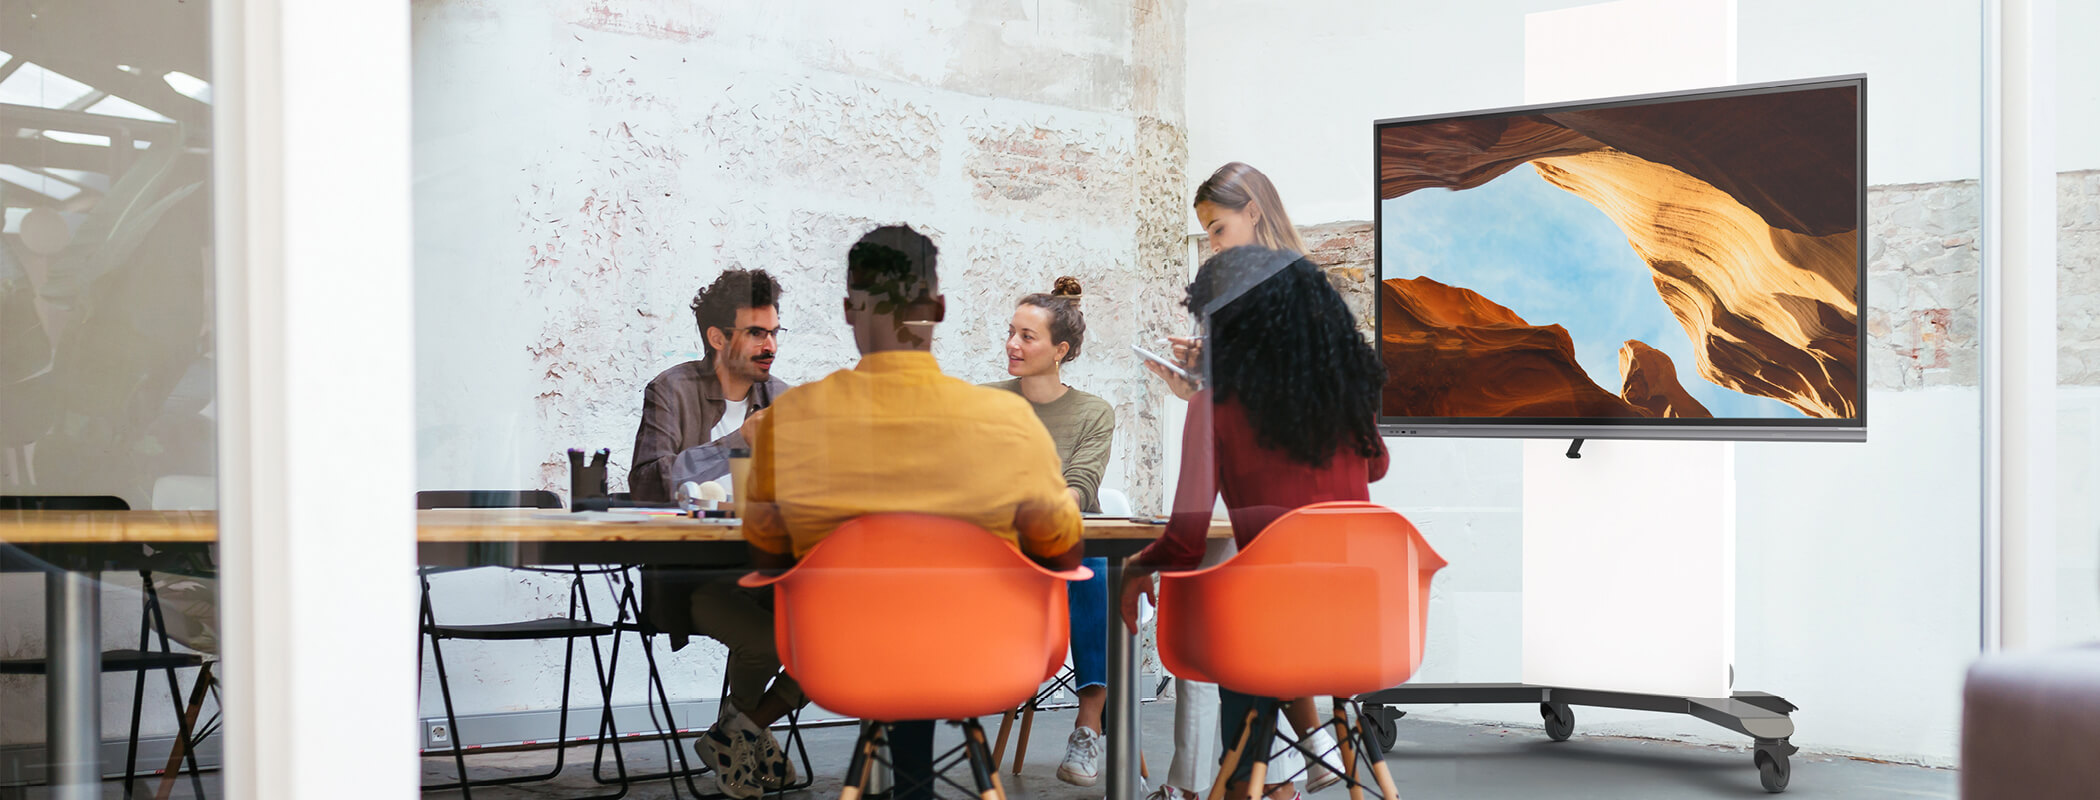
[749, 430]
[770, 563]
[1137, 583]
[1063, 562]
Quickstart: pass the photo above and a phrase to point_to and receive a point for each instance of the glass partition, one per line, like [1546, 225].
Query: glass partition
[655, 241]
[108, 587]
[2077, 616]
[658, 246]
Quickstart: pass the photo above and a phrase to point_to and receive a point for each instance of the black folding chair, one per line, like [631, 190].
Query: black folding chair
[569, 629]
[141, 661]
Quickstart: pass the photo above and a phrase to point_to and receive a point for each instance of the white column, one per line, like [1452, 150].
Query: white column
[316, 383]
[1632, 521]
[2020, 324]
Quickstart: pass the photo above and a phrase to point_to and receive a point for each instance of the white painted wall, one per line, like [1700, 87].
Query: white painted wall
[1294, 89]
[1857, 564]
[2077, 86]
[2078, 514]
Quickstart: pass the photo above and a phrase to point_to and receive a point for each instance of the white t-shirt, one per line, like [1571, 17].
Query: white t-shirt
[733, 412]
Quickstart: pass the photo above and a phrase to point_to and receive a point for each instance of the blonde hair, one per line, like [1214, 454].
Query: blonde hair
[1235, 185]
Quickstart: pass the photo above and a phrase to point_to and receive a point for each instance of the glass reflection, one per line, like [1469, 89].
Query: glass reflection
[107, 424]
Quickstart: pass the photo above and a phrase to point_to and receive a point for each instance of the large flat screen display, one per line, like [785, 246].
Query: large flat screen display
[1684, 266]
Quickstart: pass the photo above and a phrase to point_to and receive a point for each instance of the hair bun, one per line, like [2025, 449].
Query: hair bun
[1067, 286]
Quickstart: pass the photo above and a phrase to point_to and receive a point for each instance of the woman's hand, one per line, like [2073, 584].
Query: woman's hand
[1137, 583]
[1188, 352]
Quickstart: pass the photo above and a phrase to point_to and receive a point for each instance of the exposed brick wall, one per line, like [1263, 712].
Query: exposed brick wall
[1348, 252]
[1924, 278]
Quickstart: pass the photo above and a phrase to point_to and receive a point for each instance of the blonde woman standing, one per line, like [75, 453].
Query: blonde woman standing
[1237, 205]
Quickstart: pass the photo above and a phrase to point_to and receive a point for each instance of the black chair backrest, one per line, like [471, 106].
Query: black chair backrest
[474, 498]
[86, 502]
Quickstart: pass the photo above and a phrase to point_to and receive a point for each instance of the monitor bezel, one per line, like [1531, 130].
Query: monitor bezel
[1853, 429]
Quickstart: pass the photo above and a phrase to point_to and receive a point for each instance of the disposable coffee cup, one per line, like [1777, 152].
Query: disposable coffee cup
[739, 478]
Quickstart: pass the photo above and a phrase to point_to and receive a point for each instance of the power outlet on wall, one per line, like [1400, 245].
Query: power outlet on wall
[438, 733]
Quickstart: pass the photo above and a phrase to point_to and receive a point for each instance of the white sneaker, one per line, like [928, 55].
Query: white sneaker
[1082, 764]
[1317, 776]
[1170, 792]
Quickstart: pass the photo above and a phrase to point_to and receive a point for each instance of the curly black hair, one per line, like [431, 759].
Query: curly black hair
[1287, 350]
[716, 305]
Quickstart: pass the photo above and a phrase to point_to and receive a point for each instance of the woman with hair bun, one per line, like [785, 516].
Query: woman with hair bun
[1046, 333]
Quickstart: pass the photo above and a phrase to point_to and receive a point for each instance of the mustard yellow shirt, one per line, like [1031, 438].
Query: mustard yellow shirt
[893, 434]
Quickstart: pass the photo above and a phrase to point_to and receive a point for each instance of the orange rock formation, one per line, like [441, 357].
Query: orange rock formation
[1450, 352]
[1769, 312]
[1648, 381]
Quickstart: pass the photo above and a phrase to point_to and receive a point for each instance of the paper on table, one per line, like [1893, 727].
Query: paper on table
[630, 516]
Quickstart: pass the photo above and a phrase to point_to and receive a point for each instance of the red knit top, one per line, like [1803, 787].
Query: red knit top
[1219, 455]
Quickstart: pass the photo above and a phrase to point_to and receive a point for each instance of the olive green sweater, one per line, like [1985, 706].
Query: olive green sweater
[1083, 425]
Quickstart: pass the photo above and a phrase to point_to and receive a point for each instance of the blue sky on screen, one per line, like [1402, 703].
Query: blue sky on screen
[1554, 259]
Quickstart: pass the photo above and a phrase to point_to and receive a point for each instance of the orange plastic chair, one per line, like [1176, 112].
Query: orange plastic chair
[1350, 581]
[900, 617]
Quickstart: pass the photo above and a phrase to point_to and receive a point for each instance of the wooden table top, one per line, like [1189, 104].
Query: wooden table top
[461, 525]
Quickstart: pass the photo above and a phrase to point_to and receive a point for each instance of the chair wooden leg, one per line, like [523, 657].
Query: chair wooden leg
[1232, 758]
[1348, 745]
[182, 734]
[1371, 750]
[980, 758]
[1021, 744]
[999, 750]
[858, 768]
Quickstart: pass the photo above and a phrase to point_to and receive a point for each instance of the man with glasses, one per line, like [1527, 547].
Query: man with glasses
[693, 415]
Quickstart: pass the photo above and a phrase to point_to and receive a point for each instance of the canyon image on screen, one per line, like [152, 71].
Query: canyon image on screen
[1651, 262]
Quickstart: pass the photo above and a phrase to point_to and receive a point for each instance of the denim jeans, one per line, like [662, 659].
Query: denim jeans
[1088, 601]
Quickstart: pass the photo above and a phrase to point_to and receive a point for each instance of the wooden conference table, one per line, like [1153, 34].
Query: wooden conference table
[72, 548]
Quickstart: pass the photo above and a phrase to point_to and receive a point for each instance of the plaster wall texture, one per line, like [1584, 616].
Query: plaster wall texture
[583, 168]
[2078, 278]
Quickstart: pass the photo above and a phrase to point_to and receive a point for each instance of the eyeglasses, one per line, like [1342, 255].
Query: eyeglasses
[758, 333]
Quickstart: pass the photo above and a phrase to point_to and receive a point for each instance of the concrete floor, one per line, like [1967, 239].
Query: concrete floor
[1430, 760]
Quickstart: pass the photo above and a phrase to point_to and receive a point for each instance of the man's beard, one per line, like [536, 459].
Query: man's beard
[750, 370]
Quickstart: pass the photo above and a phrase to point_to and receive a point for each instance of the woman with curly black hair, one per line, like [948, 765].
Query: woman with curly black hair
[1288, 418]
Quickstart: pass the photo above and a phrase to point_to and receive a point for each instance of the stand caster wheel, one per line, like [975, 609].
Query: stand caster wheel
[1384, 722]
[1560, 720]
[1773, 770]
